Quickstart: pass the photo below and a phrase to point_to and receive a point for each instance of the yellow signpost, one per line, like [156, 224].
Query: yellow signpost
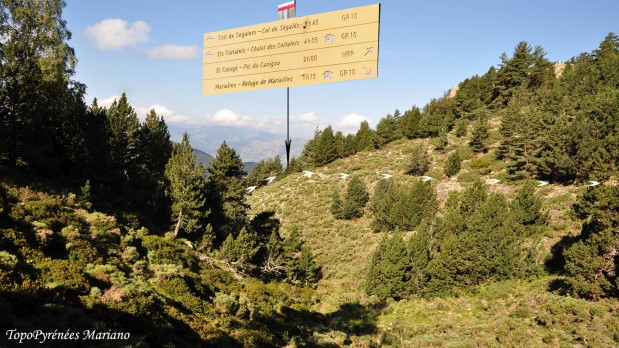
[327, 47]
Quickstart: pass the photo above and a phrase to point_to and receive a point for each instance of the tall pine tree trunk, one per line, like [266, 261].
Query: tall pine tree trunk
[178, 223]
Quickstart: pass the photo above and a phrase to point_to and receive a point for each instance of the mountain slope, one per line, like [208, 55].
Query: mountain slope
[344, 248]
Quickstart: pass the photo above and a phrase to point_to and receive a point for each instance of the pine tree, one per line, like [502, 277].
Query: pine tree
[301, 266]
[607, 59]
[124, 126]
[275, 259]
[339, 144]
[228, 250]
[418, 248]
[409, 122]
[473, 197]
[375, 279]
[480, 136]
[385, 194]
[468, 97]
[153, 148]
[462, 128]
[412, 204]
[388, 129]
[186, 190]
[441, 142]
[263, 224]
[98, 165]
[419, 160]
[354, 201]
[513, 73]
[389, 272]
[154, 145]
[337, 206]
[246, 247]
[452, 166]
[366, 137]
[350, 145]
[591, 262]
[308, 271]
[357, 193]
[526, 209]
[326, 148]
[438, 117]
[226, 186]
[264, 169]
[556, 160]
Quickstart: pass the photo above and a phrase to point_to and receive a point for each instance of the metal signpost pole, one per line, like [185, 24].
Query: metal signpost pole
[285, 11]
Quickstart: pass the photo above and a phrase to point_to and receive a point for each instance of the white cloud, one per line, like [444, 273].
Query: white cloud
[173, 52]
[308, 117]
[115, 33]
[168, 115]
[107, 102]
[350, 123]
[227, 117]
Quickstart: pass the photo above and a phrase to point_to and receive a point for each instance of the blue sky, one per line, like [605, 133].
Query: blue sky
[152, 51]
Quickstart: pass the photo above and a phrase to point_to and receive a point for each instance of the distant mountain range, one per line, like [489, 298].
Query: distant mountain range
[251, 145]
[206, 160]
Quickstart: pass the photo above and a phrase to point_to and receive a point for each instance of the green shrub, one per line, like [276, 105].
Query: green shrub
[70, 232]
[482, 162]
[419, 161]
[95, 292]
[468, 177]
[43, 209]
[7, 260]
[130, 254]
[226, 303]
[169, 251]
[101, 272]
[178, 289]
[83, 252]
[165, 271]
[440, 143]
[219, 280]
[62, 273]
[452, 166]
[462, 128]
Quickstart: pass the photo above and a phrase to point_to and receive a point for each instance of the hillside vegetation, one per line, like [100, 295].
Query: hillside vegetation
[485, 218]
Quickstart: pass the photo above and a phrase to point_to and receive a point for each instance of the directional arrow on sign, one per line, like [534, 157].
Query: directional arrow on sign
[494, 181]
[426, 178]
[210, 38]
[208, 54]
[593, 183]
[542, 183]
[369, 50]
